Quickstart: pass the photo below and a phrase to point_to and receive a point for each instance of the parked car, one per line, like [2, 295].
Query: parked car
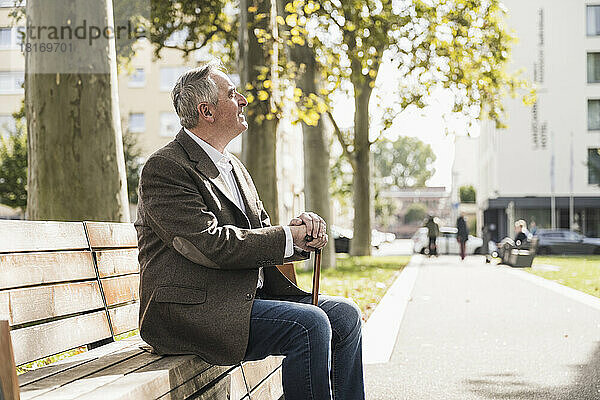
[342, 238]
[446, 242]
[563, 241]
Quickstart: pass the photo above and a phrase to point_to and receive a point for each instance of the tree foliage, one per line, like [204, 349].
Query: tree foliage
[458, 45]
[467, 194]
[403, 163]
[133, 164]
[416, 212]
[13, 167]
[194, 24]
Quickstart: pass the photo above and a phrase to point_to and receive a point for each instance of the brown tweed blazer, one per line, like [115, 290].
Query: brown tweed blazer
[199, 255]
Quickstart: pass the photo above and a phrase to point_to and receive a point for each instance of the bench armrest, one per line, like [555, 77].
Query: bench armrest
[289, 271]
[9, 385]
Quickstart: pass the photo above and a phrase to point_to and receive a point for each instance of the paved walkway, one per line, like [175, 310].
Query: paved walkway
[477, 331]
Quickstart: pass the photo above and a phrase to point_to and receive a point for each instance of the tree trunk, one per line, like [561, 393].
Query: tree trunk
[361, 242]
[76, 161]
[316, 154]
[259, 142]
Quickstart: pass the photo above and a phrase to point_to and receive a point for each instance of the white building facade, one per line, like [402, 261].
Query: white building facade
[549, 152]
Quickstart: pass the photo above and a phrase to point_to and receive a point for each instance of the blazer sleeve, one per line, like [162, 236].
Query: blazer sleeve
[299, 254]
[176, 211]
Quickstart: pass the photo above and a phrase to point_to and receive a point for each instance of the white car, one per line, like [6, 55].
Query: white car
[446, 242]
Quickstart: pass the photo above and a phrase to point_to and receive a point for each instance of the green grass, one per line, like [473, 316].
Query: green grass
[578, 272]
[363, 279]
[49, 360]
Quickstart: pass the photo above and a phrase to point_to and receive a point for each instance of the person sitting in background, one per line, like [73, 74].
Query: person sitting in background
[521, 232]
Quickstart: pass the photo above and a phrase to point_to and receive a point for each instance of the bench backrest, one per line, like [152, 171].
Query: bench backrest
[114, 247]
[66, 284]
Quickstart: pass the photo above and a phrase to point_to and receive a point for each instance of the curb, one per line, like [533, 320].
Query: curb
[381, 329]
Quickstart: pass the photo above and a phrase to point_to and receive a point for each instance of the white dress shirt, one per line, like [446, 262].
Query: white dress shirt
[223, 163]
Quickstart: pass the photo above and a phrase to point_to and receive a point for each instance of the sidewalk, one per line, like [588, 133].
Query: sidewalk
[477, 331]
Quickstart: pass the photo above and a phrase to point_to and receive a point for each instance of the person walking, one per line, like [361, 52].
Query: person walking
[433, 230]
[462, 235]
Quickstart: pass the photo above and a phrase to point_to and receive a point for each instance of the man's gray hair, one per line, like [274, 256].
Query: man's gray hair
[192, 88]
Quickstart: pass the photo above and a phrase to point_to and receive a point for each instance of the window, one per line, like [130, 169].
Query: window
[137, 78]
[12, 3]
[593, 67]
[593, 115]
[11, 82]
[10, 38]
[573, 236]
[137, 122]
[593, 20]
[5, 38]
[169, 124]
[169, 76]
[7, 125]
[594, 166]
[553, 235]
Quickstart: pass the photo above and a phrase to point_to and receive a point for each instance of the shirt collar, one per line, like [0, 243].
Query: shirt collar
[218, 158]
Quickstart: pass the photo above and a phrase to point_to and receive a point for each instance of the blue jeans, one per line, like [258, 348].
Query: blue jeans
[322, 345]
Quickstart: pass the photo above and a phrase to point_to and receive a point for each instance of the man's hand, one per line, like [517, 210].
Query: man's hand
[309, 224]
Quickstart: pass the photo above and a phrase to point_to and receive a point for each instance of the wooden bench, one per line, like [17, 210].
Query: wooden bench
[69, 284]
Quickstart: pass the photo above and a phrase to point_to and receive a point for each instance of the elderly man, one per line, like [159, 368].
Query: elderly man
[209, 285]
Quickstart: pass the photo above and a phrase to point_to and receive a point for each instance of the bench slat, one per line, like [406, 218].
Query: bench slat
[104, 377]
[27, 269]
[157, 379]
[230, 386]
[19, 306]
[40, 341]
[55, 374]
[256, 371]
[117, 262]
[111, 234]
[54, 385]
[125, 318]
[270, 389]
[121, 289]
[18, 236]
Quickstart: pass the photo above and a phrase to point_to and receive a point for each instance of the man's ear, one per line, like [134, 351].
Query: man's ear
[205, 112]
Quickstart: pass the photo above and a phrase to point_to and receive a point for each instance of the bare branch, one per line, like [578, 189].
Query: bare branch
[340, 136]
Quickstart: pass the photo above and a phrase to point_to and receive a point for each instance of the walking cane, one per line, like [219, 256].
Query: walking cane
[316, 273]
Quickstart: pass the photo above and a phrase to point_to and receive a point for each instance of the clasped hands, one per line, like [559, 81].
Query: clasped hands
[308, 224]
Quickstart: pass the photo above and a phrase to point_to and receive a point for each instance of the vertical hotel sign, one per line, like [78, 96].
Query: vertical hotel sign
[539, 129]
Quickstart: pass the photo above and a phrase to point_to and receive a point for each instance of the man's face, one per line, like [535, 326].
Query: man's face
[229, 117]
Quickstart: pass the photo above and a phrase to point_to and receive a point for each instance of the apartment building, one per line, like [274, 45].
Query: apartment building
[544, 167]
[145, 103]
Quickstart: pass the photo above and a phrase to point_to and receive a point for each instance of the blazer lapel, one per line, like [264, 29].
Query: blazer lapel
[250, 202]
[207, 168]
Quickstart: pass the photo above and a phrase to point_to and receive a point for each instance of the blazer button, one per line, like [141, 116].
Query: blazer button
[249, 296]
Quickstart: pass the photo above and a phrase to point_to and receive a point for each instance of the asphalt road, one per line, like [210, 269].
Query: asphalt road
[476, 331]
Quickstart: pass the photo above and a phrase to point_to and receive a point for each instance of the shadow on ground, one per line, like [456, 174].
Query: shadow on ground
[586, 385]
